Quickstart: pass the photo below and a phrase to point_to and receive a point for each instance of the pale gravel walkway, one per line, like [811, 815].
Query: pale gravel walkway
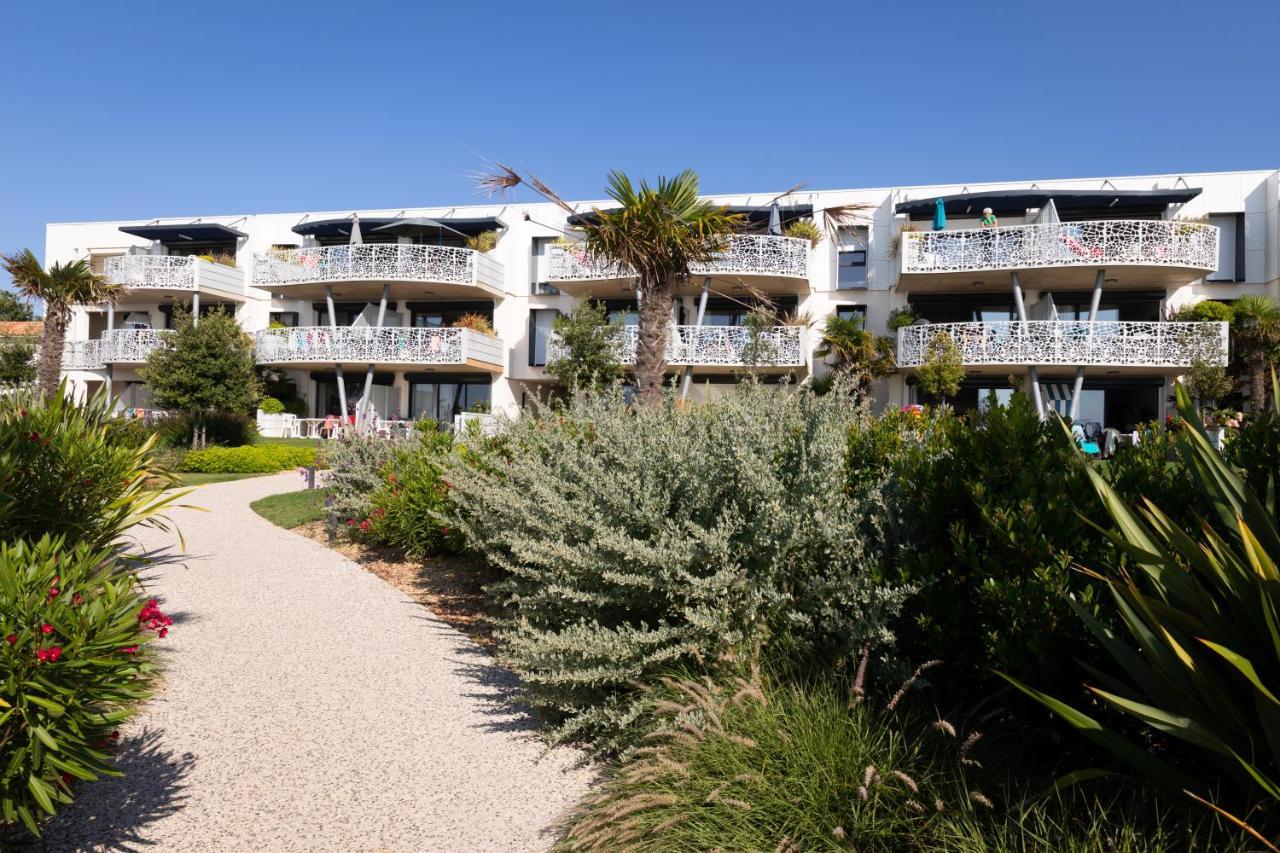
[310, 706]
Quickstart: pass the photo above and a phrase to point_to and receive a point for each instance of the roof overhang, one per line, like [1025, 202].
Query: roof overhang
[752, 215]
[1018, 202]
[186, 232]
[419, 226]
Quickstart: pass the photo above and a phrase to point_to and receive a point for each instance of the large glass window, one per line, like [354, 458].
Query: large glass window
[441, 399]
[851, 265]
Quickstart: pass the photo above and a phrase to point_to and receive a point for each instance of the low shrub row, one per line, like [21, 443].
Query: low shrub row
[250, 459]
[75, 623]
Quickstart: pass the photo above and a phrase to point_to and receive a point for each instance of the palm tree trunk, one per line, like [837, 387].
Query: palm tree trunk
[651, 348]
[56, 317]
[1258, 385]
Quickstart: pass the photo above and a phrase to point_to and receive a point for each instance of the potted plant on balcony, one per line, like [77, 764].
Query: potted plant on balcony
[900, 318]
[483, 242]
[476, 323]
[804, 229]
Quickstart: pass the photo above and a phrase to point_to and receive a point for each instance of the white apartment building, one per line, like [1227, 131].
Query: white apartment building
[1073, 290]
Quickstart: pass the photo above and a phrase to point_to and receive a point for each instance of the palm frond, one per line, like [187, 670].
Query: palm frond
[846, 216]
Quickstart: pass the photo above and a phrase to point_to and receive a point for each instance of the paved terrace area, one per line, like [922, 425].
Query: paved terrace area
[309, 706]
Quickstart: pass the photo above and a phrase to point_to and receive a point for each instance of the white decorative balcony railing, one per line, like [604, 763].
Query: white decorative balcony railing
[715, 346]
[744, 254]
[1102, 343]
[1121, 242]
[173, 272]
[395, 345]
[377, 262]
[82, 355]
[130, 345]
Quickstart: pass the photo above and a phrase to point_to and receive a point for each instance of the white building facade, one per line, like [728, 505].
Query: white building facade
[1072, 293]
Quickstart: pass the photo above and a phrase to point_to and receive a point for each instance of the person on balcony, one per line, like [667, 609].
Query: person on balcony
[988, 219]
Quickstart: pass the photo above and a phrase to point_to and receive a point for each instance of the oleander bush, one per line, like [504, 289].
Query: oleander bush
[635, 539]
[406, 508]
[74, 661]
[75, 471]
[358, 465]
[249, 459]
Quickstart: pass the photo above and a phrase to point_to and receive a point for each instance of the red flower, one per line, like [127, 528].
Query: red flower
[42, 655]
[162, 633]
[66, 778]
[55, 652]
[11, 639]
[351, 522]
[46, 628]
[53, 592]
[77, 599]
[128, 650]
[364, 525]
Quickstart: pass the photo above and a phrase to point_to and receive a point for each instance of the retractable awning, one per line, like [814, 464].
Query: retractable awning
[201, 232]
[422, 226]
[338, 227]
[1018, 202]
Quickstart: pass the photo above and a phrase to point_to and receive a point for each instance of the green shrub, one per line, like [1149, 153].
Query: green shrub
[76, 471]
[270, 406]
[250, 459]
[406, 507]
[17, 361]
[638, 538]
[358, 465]
[224, 429]
[1202, 661]
[988, 524]
[1206, 310]
[296, 406]
[74, 662]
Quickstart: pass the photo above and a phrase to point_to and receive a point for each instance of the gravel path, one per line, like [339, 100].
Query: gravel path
[309, 706]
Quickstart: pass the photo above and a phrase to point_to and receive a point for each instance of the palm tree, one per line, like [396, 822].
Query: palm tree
[863, 355]
[1255, 333]
[60, 287]
[657, 232]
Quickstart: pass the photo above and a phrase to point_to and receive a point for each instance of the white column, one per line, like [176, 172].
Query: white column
[1021, 308]
[366, 398]
[195, 308]
[333, 327]
[702, 311]
[1093, 317]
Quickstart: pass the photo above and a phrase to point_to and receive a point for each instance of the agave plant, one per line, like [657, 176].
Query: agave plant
[1202, 610]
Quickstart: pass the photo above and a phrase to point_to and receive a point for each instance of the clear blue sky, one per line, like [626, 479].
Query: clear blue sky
[140, 109]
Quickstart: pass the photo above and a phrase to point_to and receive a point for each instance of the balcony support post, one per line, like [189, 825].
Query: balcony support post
[366, 397]
[1094, 301]
[702, 311]
[333, 326]
[111, 319]
[195, 308]
[1021, 307]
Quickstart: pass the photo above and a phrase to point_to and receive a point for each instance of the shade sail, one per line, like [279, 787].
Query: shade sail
[185, 232]
[1018, 202]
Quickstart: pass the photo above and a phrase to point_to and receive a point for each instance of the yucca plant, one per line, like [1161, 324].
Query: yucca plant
[76, 470]
[1202, 610]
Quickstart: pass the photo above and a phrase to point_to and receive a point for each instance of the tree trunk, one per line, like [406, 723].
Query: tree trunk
[1258, 385]
[651, 348]
[49, 372]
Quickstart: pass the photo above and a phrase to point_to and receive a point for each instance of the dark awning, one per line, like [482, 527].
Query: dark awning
[753, 215]
[1018, 202]
[338, 227]
[400, 225]
[188, 232]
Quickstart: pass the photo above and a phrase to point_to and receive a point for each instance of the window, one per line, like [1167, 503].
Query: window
[848, 312]
[540, 269]
[540, 323]
[851, 266]
[1230, 247]
[288, 319]
[440, 398]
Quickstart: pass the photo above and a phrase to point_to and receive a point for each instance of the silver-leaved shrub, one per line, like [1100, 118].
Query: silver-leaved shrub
[640, 539]
[357, 469]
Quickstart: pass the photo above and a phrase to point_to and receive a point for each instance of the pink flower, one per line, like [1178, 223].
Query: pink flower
[53, 592]
[11, 639]
[129, 650]
[46, 628]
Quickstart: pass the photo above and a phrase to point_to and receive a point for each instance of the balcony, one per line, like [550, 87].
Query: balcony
[717, 347]
[175, 275]
[1061, 254]
[447, 347]
[129, 346]
[361, 270]
[773, 263]
[82, 355]
[1070, 343]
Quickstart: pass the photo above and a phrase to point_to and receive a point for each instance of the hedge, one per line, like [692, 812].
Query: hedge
[250, 459]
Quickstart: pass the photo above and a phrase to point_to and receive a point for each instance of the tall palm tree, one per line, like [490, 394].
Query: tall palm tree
[61, 287]
[1255, 334]
[657, 232]
[861, 354]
